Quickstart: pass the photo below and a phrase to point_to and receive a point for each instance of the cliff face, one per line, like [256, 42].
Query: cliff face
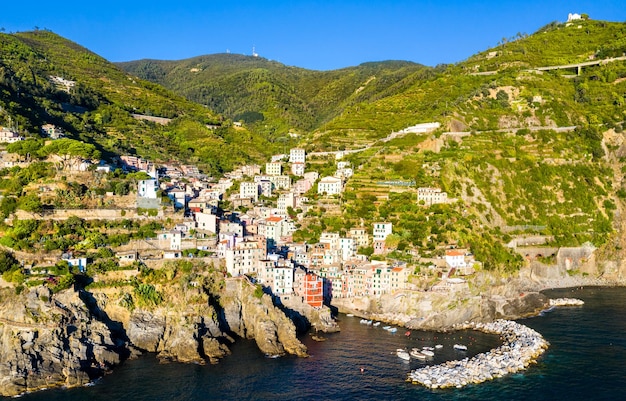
[48, 340]
[257, 318]
[70, 338]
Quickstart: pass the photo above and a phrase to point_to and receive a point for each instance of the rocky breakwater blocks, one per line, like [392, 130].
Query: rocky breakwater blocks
[521, 347]
[566, 302]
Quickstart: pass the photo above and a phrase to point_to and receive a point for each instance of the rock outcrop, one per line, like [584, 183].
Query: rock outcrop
[256, 318]
[70, 338]
[53, 340]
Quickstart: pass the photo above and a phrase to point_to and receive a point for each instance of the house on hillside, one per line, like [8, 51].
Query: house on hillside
[9, 136]
[431, 196]
[330, 186]
[297, 155]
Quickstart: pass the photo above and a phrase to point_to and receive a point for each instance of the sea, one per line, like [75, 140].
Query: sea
[586, 360]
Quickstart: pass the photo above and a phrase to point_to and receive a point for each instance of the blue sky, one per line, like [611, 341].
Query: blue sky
[319, 35]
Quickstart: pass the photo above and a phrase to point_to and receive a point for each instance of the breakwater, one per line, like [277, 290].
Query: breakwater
[566, 302]
[520, 347]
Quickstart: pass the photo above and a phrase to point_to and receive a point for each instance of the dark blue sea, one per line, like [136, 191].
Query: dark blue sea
[586, 361]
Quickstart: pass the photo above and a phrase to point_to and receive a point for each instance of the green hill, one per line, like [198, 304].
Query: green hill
[531, 151]
[97, 102]
[272, 97]
[514, 171]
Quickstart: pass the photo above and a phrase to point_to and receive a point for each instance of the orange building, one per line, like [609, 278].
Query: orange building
[313, 290]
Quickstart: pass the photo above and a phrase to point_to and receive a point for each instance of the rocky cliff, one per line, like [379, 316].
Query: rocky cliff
[72, 337]
[53, 340]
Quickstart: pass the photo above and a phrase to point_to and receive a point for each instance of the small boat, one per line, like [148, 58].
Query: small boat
[402, 354]
[408, 334]
[376, 324]
[350, 315]
[363, 321]
[386, 327]
[428, 353]
[369, 323]
[318, 338]
[416, 353]
[439, 346]
[392, 330]
[460, 347]
[428, 348]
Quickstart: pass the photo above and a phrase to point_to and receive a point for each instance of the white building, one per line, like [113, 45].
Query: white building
[206, 222]
[455, 258]
[330, 186]
[266, 187]
[279, 276]
[347, 247]
[382, 230]
[172, 238]
[332, 239]
[280, 181]
[297, 155]
[431, 196]
[244, 258]
[286, 201]
[148, 188]
[249, 190]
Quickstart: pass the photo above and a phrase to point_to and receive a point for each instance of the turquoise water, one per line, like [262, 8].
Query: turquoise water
[586, 361]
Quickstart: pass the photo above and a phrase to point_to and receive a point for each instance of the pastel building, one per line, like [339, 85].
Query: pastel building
[274, 168]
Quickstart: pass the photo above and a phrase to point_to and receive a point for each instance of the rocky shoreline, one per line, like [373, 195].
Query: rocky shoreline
[72, 337]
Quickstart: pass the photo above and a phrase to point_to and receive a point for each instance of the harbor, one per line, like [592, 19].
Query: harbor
[520, 347]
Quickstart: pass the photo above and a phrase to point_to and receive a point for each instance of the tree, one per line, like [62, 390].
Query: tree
[7, 261]
[70, 151]
[27, 148]
[31, 203]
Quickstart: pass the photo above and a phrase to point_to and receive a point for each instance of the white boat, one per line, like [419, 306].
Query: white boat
[363, 321]
[376, 324]
[386, 327]
[416, 353]
[369, 323]
[392, 330]
[460, 347]
[402, 354]
[350, 315]
[439, 346]
[428, 353]
[428, 348]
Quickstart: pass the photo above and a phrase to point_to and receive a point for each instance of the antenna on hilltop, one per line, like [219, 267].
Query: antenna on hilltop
[254, 53]
[227, 51]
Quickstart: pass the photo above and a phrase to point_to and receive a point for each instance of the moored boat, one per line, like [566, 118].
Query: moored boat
[402, 354]
[460, 347]
[416, 353]
[428, 353]
[376, 324]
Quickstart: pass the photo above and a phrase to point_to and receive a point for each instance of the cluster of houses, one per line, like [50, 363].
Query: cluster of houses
[257, 242]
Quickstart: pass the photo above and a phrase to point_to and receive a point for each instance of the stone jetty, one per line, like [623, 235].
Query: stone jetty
[566, 302]
[521, 346]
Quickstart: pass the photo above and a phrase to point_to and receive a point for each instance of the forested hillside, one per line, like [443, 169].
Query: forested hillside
[45, 78]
